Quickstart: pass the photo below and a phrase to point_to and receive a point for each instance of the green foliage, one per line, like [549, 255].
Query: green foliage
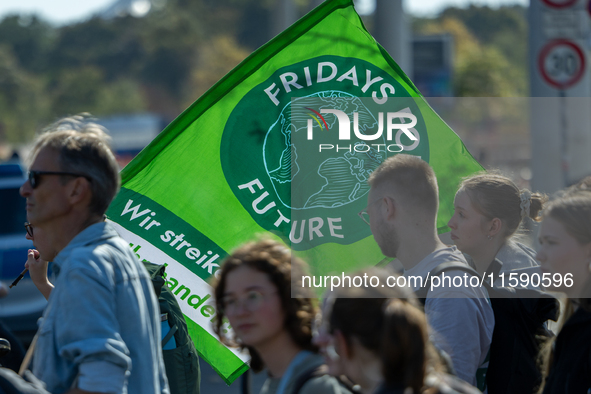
[22, 100]
[486, 73]
[490, 48]
[486, 23]
[159, 63]
[113, 46]
[30, 40]
[78, 89]
[165, 60]
[504, 28]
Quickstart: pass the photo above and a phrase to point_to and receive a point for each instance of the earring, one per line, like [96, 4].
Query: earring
[490, 237]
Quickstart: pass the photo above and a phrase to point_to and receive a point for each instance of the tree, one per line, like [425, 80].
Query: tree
[482, 66]
[30, 40]
[23, 103]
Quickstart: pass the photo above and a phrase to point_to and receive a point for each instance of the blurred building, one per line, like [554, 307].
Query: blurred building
[433, 64]
[131, 133]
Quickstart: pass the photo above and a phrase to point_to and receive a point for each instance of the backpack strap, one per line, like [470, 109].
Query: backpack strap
[318, 371]
[494, 268]
[169, 335]
[309, 374]
[245, 382]
[421, 293]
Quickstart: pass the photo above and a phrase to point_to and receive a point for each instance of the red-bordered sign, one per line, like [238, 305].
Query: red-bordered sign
[561, 63]
[559, 3]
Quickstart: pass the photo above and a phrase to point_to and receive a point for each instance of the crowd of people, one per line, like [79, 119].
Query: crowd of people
[386, 340]
[101, 330]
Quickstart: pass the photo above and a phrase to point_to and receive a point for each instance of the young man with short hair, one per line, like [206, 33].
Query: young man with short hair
[402, 206]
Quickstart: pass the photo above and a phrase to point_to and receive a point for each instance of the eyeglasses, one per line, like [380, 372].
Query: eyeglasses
[364, 215]
[34, 176]
[29, 229]
[251, 302]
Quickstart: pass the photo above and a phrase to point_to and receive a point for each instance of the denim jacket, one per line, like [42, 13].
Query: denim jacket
[101, 328]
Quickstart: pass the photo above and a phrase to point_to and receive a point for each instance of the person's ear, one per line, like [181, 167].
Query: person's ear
[495, 227]
[79, 190]
[391, 207]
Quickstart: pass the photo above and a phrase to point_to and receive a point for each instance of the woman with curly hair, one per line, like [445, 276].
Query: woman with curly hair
[254, 292]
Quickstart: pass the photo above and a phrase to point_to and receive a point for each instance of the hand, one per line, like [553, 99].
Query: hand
[36, 266]
[38, 270]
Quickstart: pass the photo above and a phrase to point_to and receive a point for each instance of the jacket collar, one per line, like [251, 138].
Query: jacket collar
[90, 235]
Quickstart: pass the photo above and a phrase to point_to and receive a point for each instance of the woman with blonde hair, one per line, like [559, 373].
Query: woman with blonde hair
[254, 292]
[565, 254]
[488, 211]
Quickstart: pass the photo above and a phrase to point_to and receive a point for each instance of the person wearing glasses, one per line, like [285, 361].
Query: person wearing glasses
[100, 331]
[254, 293]
[402, 208]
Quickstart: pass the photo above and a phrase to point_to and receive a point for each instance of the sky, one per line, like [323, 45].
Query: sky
[68, 11]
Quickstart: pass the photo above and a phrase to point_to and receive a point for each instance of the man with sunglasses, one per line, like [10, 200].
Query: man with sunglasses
[100, 332]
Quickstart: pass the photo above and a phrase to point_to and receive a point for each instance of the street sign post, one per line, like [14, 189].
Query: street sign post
[560, 83]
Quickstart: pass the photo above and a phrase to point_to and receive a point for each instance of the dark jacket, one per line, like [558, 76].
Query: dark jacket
[570, 372]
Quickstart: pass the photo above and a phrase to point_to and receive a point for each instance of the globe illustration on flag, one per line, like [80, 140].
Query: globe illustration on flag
[321, 178]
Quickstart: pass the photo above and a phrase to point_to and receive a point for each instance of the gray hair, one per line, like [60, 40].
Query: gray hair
[83, 148]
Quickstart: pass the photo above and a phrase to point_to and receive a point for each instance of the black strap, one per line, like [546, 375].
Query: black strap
[245, 382]
[309, 374]
[441, 268]
[169, 335]
[494, 267]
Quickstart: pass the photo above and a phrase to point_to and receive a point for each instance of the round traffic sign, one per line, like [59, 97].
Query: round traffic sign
[559, 3]
[561, 63]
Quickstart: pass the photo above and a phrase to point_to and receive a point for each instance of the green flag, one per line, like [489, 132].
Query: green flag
[229, 167]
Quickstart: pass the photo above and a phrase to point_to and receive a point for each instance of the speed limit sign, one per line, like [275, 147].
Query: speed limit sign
[561, 63]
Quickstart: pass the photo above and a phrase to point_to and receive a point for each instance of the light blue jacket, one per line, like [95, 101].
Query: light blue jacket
[101, 328]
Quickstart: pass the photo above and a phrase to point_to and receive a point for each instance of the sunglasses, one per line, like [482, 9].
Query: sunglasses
[34, 176]
[29, 229]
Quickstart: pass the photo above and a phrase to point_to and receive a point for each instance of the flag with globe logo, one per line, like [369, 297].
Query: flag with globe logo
[253, 155]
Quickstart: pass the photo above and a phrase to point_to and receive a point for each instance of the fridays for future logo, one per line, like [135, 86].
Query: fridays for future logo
[279, 175]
